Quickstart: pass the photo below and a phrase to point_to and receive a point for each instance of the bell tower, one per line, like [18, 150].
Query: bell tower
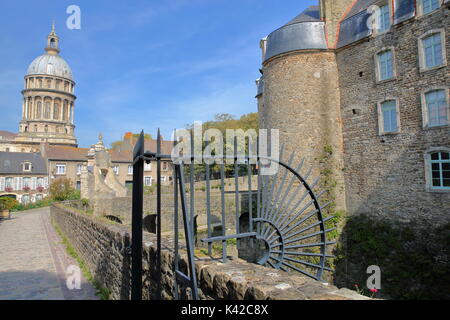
[48, 99]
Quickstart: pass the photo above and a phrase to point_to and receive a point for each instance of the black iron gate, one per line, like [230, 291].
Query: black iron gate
[285, 219]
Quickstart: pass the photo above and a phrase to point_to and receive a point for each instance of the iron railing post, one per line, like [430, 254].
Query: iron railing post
[137, 214]
[158, 214]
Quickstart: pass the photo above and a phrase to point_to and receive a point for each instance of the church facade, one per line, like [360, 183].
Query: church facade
[360, 88]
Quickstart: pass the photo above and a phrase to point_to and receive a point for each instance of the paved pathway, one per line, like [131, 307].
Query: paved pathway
[33, 262]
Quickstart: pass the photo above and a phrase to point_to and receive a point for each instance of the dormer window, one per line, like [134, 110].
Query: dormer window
[26, 166]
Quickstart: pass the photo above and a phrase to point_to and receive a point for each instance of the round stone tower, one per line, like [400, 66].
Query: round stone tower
[298, 94]
[48, 99]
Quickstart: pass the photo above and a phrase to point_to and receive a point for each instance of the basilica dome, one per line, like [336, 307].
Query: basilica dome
[52, 65]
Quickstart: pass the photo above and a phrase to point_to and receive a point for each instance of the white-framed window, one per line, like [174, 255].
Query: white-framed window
[148, 181]
[40, 182]
[383, 19]
[79, 168]
[116, 170]
[388, 117]
[39, 197]
[432, 53]
[435, 107]
[427, 6]
[385, 68]
[130, 169]
[163, 178]
[60, 169]
[27, 182]
[27, 167]
[437, 162]
[147, 166]
[9, 183]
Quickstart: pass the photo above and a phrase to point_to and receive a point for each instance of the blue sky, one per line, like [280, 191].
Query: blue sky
[143, 64]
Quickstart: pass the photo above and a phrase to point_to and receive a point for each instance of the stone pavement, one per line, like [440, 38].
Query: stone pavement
[33, 261]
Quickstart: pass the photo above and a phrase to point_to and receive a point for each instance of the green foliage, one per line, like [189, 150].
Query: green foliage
[222, 122]
[7, 203]
[414, 262]
[150, 189]
[38, 204]
[62, 189]
[102, 292]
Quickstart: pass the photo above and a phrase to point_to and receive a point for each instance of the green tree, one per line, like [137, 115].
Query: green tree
[62, 189]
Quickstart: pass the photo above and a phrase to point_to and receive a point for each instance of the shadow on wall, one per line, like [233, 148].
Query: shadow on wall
[403, 235]
[106, 269]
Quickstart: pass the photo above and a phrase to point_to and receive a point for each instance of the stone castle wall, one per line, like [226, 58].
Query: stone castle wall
[102, 247]
[301, 99]
[385, 175]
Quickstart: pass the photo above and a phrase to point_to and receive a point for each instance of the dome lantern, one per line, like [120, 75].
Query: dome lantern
[52, 42]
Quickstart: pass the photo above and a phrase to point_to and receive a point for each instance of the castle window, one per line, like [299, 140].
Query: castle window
[130, 169]
[116, 170]
[427, 6]
[435, 108]
[147, 166]
[385, 65]
[79, 167]
[388, 117]
[384, 18]
[432, 50]
[438, 169]
[60, 169]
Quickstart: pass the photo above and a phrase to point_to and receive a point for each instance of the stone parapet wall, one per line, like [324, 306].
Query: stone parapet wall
[102, 246]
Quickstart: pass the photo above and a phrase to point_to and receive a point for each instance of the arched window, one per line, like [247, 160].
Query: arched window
[30, 109]
[56, 112]
[46, 128]
[65, 111]
[40, 83]
[52, 43]
[440, 170]
[49, 83]
[47, 110]
[39, 110]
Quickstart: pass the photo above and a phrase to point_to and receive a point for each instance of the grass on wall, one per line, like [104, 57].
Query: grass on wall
[102, 292]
